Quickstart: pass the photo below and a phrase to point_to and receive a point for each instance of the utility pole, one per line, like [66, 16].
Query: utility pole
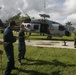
[44, 5]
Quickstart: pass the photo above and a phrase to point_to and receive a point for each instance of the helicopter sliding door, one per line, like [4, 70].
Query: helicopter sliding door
[43, 28]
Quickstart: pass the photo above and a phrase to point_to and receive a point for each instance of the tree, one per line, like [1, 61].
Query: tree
[16, 16]
[19, 19]
[68, 23]
[13, 18]
[27, 19]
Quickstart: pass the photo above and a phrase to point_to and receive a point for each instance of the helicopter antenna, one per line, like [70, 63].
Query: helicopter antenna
[44, 15]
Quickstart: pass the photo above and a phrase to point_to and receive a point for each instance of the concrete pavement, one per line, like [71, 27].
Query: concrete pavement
[50, 43]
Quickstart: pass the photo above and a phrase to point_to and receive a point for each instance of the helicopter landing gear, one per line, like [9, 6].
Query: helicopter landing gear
[49, 37]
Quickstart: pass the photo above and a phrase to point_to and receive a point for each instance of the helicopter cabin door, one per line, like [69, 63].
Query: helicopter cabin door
[43, 28]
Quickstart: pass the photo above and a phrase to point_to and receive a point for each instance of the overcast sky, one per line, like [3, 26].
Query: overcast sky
[59, 10]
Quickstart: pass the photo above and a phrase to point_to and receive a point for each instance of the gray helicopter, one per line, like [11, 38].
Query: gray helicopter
[51, 28]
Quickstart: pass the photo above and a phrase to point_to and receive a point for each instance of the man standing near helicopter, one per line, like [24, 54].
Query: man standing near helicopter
[74, 37]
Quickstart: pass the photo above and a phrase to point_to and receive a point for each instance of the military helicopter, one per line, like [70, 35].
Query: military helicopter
[51, 28]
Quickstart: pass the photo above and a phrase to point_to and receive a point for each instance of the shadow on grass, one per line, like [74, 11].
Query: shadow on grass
[56, 73]
[42, 62]
[32, 72]
[54, 63]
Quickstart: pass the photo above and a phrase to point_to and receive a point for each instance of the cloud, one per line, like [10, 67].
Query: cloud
[70, 6]
[59, 10]
[71, 18]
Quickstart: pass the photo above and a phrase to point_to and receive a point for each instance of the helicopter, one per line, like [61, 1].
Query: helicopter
[51, 28]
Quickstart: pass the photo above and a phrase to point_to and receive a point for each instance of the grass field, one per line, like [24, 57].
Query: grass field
[37, 36]
[43, 61]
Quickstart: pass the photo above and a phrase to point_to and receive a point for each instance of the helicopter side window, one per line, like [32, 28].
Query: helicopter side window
[61, 28]
[36, 27]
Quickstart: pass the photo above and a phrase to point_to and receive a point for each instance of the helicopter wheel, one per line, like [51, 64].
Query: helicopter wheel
[49, 37]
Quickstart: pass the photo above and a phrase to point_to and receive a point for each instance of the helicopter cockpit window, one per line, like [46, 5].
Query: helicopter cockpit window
[36, 27]
[61, 27]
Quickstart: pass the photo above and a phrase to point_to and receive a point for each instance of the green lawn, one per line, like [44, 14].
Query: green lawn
[37, 36]
[44, 61]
